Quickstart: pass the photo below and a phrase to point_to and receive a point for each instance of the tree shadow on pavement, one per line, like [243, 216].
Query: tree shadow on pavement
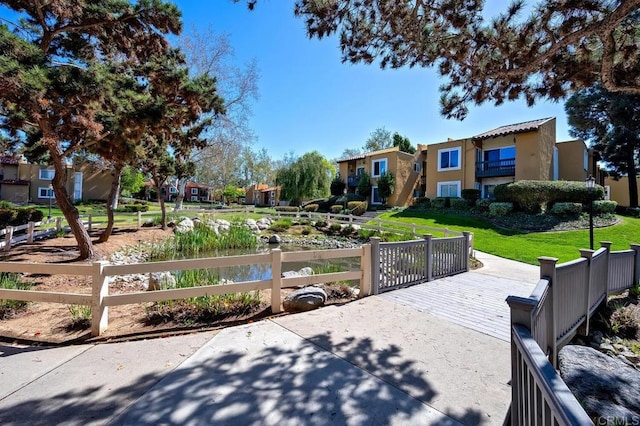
[282, 382]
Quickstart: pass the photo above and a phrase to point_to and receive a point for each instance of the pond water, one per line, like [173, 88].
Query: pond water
[262, 271]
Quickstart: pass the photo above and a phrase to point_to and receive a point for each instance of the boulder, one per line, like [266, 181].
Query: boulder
[161, 281]
[607, 388]
[184, 225]
[274, 239]
[304, 299]
[251, 224]
[304, 272]
[263, 223]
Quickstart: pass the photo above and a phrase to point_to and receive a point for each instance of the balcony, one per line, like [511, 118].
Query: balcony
[496, 168]
[353, 181]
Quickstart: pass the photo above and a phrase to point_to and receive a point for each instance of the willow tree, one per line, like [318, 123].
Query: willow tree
[558, 47]
[307, 177]
[51, 74]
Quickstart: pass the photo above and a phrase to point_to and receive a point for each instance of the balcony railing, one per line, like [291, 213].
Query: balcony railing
[353, 181]
[495, 168]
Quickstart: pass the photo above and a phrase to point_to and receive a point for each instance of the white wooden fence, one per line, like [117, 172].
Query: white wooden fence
[100, 272]
[561, 305]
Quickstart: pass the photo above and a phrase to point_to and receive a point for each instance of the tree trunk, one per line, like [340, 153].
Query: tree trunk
[632, 174]
[112, 201]
[68, 209]
[182, 184]
[163, 207]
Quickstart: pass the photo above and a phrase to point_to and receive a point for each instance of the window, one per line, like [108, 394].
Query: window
[586, 160]
[359, 171]
[375, 196]
[194, 197]
[46, 193]
[47, 174]
[379, 167]
[488, 191]
[173, 190]
[416, 167]
[449, 189]
[194, 191]
[449, 159]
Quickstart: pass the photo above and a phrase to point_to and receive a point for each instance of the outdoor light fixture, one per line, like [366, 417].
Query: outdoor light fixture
[591, 184]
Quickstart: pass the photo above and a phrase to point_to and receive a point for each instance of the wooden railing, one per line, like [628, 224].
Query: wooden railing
[561, 305]
[100, 272]
[401, 264]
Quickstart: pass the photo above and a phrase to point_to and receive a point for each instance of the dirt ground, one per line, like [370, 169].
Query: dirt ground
[53, 323]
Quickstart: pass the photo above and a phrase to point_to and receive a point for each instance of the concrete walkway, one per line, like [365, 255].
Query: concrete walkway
[369, 362]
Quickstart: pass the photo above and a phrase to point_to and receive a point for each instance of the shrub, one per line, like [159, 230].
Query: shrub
[422, 202]
[287, 209]
[440, 202]
[470, 195]
[624, 322]
[483, 204]
[26, 215]
[8, 307]
[337, 185]
[532, 195]
[500, 209]
[336, 208]
[306, 230]
[36, 215]
[335, 227]
[321, 223]
[604, 206]
[7, 216]
[566, 209]
[281, 225]
[347, 230]
[4, 204]
[633, 211]
[311, 207]
[357, 208]
[459, 203]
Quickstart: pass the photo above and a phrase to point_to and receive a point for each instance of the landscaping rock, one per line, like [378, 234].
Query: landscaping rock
[263, 223]
[607, 388]
[161, 281]
[251, 224]
[274, 239]
[304, 299]
[184, 225]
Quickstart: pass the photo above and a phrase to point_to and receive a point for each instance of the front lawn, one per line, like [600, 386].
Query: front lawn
[524, 247]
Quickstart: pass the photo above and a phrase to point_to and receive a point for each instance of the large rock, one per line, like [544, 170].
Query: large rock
[161, 281]
[274, 239]
[304, 299]
[251, 224]
[304, 272]
[263, 223]
[607, 388]
[185, 225]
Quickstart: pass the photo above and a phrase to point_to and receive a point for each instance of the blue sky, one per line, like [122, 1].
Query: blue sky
[310, 101]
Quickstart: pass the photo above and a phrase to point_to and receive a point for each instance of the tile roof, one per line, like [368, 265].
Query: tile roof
[526, 126]
[6, 159]
[354, 157]
[15, 182]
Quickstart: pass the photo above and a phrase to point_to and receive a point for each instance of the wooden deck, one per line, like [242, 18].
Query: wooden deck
[470, 299]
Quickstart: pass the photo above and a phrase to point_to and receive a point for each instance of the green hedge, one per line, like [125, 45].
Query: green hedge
[565, 209]
[459, 203]
[422, 202]
[483, 204]
[440, 202]
[286, 209]
[470, 195]
[17, 217]
[500, 209]
[336, 208]
[604, 206]
[357, 208]
[311, 207]
[532, 195]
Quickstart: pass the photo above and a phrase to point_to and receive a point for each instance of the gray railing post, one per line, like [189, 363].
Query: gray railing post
[548, 271]
[99, 289]
[375, 265]
[8, 237]
[30, 228]
[636, 264]
[606, 245]
[365, 265]
[467, 243]
[521, 309]
[429, 256]
[587, 254]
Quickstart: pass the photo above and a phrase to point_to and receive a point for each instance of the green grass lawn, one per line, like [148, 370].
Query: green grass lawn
[525, 247]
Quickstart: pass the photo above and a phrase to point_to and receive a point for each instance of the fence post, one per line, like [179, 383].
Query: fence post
[7, 238]
[375, 265]
[30, 228]
[467, 238]
[548, 271]
[379, 225]
[90, 223]
[413, 229]
[636, 264]
[587, 254]
[99, 289]
[446, 232]
[365, 265]
[139, 219]
[276, 280]
[58, 224]
[520, 308]
[429, 255]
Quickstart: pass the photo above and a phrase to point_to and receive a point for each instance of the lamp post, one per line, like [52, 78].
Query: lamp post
[50, 193]
[591, 183]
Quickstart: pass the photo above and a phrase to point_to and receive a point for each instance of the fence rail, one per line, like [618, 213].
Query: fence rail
[401, 264]
[100, 272]
[560, 306]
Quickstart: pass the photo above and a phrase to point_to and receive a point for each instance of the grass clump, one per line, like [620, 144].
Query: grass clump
[9, 308]
[80, 316]
[203, 309]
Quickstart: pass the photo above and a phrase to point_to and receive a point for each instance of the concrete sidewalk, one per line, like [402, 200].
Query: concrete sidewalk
[368, 362]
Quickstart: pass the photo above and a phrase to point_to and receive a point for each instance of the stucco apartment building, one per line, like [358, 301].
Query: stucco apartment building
[262, 195]
[22, 183]
[522, 151]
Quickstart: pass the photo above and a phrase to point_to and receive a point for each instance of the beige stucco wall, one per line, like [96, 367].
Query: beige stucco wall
[96, 183]
[10, 171]
[619, 190]
[571, 160]
[534, 152]
[406, 179]
[18, 194]
[466, 173]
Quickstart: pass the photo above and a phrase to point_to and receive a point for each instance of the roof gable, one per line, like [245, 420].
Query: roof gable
[526, 126]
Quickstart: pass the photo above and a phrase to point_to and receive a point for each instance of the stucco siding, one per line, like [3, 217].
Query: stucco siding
[619, 190]
[571, 158]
